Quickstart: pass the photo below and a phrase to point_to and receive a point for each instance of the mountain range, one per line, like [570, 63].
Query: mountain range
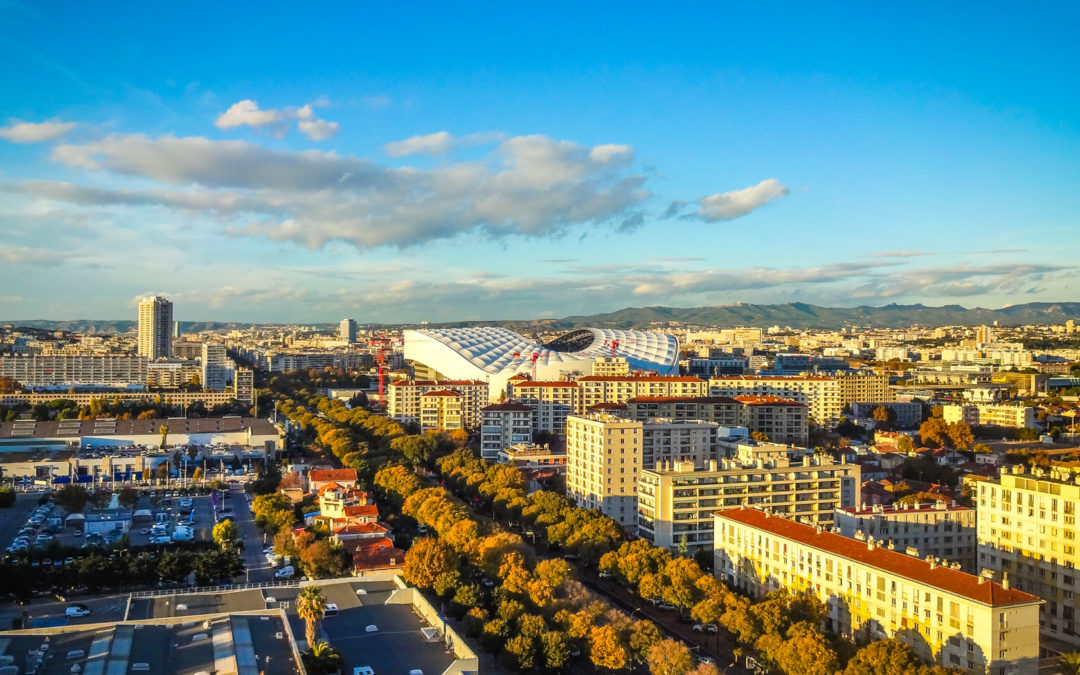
[793, 314]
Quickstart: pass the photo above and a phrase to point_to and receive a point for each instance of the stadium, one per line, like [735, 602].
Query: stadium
[497, 354]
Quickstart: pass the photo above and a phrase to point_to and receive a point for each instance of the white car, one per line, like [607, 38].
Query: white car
[285, 573]
[75, 611]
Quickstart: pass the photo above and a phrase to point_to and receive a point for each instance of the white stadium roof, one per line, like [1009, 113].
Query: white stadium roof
[496, 354]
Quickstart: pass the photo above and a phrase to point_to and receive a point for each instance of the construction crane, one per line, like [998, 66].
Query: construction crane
[380, 358]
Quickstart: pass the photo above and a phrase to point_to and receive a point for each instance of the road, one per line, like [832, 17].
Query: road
[12, 519]
[256, 567]
[103, 609]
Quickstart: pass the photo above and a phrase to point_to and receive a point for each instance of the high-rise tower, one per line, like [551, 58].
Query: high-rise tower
[155, 328]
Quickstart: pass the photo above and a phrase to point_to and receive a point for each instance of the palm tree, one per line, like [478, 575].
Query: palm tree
[322, 658]
[310, 605]
[1070, 663]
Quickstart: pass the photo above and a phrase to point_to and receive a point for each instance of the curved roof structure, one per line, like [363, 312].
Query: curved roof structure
[496, 354]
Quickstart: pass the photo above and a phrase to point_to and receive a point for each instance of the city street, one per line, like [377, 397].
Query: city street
[256, 567]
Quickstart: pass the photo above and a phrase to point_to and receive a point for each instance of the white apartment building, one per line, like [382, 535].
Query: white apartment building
[172, 373]
[944, 531]
[825, 397]
[405, 399]
[676, 500]
[1027, 529]
[155, 328]
[608, 365]
[43, 371]
[504, 425]
[605, 453]
[1004, 415]
[347, 331]
[216, 374]
[596, 389]
[441, 410]
[947, 616]
[550, 402]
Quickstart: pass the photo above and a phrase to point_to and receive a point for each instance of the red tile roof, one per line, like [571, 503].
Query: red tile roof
[771, 378]
[546, 383]
[374, 553]
[328, 475]
[900, 564]
[767, 400]
[681, 399]
[640, 378]
[362, 528]
[509, 406]
[439, 383]
[362, 510]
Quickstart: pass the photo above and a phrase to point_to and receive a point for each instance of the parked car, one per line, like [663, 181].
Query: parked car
[75, 611]
[286, 572]
[705, 628]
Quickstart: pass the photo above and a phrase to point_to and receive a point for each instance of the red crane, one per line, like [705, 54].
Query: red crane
[380, 358]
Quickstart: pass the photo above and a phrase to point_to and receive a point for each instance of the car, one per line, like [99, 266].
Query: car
[75, 611]
[604, 575]
[363, 670]
[708, 660]
[666, 606]
[77, 533]
[161, 539]
[285, 573]
[705, 628]
[331, 609]
[69, 560]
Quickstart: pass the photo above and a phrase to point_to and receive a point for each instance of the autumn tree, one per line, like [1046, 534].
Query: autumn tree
[225, 533]
[807, 651]
[669, 657]
[883, 657]
[643, 635]
[904, 444]
[427, 560]
[934, 432]
[556, 648]
[606, 648]
[960, 435]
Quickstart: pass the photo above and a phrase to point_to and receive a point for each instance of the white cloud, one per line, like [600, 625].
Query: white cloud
[730, 205]
[528, 185]
[248, 113]
[317, 130]
[22, 255]
[440, 143]
[31, 132]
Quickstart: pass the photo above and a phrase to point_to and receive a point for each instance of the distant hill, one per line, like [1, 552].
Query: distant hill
[794, 314]
[802, 315]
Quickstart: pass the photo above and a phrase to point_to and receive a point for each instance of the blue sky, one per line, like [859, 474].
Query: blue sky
[393, 162]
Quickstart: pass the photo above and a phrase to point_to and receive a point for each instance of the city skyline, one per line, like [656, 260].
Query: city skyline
[487, 166]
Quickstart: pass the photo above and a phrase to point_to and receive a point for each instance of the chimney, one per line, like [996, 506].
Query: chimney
[870, 544]
[1005, 580]
[982, 580]
[933, 561]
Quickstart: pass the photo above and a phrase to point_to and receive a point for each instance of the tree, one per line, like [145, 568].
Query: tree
[759, 436]
[884, 417]
[883, 657]
[128, 497]
[522, 650]
[9, 385]
[72, 498]
[310, 605]
[173, 566]
[669, 657]
[904, 444]
[1069, 663]
[225, 533]
[934, 432]
[198, 475]
[606, 648]
[806, 651]
[164, 430]
[643, 635]
[427, 560]
[320, 560]
[960, 435]
[556, 649]
[322, 659]
[7, 496]
[982, 449]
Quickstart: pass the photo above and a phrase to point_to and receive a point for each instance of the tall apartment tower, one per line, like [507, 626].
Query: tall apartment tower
[215, 369]
[347, 330]
[155, 328]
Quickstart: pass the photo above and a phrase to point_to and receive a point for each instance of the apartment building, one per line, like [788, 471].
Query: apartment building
[821, 395]
[155, 328]
[503, 425]
[550, 402]
[605, 453]
[405, 399]
[723, 410]
[676, 500]
[944, 531]
[43, 371]
[824, 396]
[597, 389]
[441, 410]
[611, 366]
[216, 374]
[172, 373]
[781, 419]
[908, 414]
[947, 616]
[1027, 529]
[1009, 416]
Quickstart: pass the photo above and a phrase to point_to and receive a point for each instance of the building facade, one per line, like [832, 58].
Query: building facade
[1027, 529]
[216, 374]
[504, 425]
[1008, 416]
[676, 500]
[944, 531]
[780, 419]
[404, 403]
[441, 410]
[155, 328]
[550, 402]
[605, 453]
[44, 371]
[347, 331]
[947, 616]
[596, 389]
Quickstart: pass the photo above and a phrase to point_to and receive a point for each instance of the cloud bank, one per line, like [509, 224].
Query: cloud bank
[39, 132]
